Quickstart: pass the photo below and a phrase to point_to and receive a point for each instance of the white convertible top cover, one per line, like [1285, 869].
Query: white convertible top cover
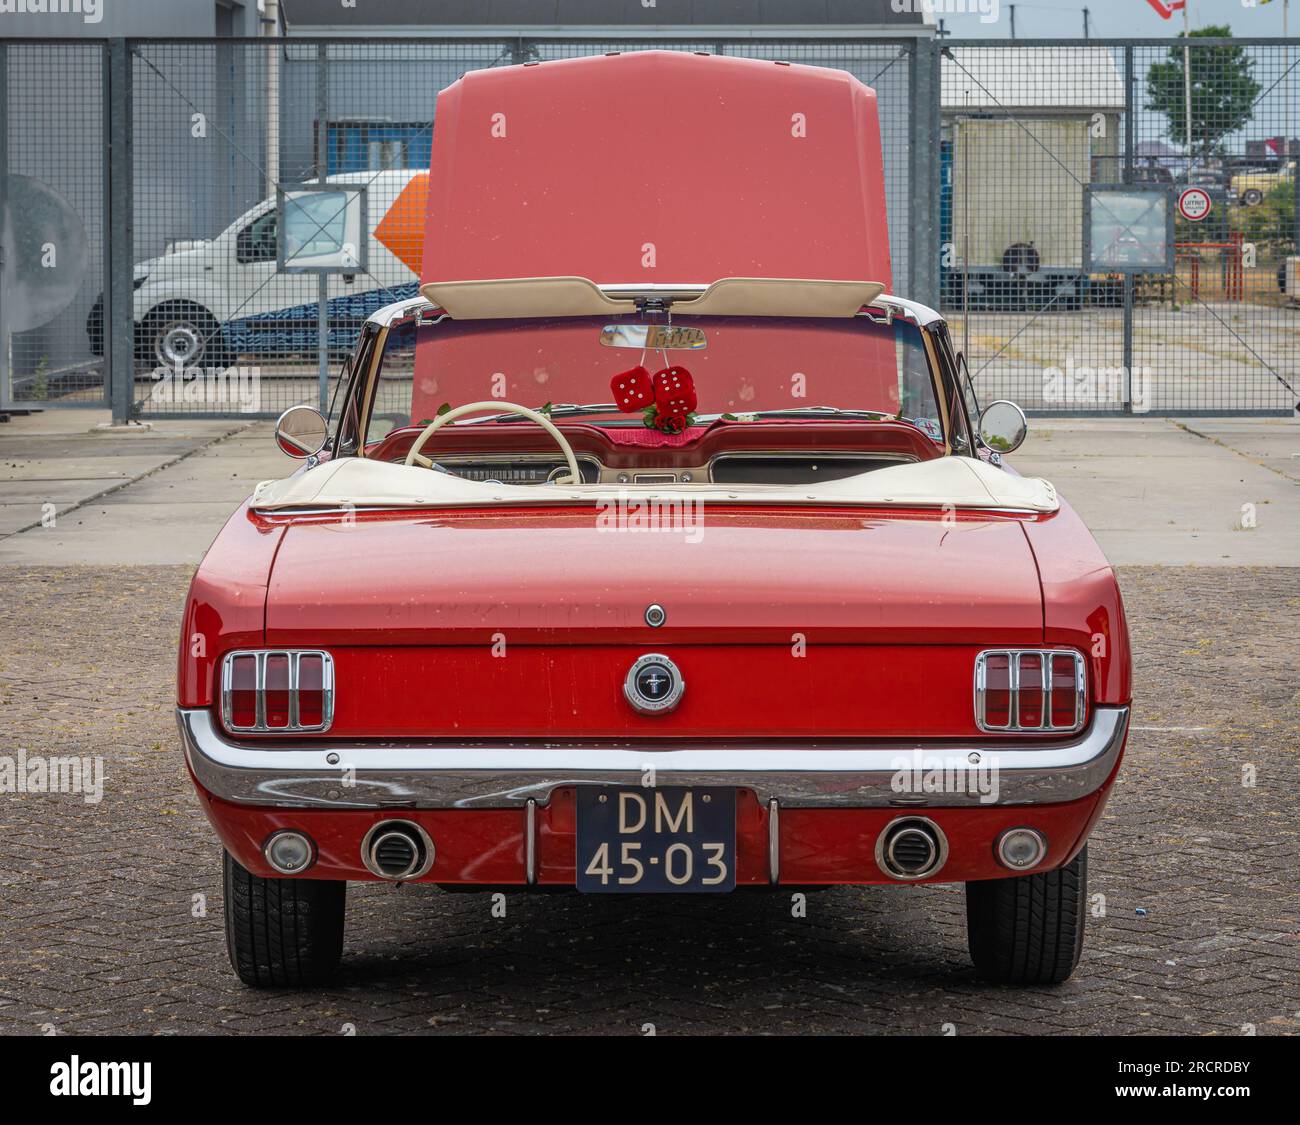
[960, 482]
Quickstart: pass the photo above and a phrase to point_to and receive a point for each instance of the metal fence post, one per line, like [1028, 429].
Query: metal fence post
[924, 129]
[119, 315]
[6, 387]
[322, 280]
[1295, 203]
[1129, 125]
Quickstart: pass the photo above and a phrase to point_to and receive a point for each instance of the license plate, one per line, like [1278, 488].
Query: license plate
[667, 840]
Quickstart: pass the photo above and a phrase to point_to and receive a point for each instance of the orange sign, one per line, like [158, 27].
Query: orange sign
[402, 227]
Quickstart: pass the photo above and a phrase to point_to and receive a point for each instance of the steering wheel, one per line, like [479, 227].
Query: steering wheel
[413, 455]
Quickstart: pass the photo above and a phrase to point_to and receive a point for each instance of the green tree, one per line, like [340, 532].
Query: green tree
[1224, 91]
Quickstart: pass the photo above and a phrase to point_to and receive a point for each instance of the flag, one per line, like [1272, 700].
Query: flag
[1166, 8]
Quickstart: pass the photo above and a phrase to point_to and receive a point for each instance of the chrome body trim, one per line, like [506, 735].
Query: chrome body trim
[774, 841]
[289, 773]
[530, 842]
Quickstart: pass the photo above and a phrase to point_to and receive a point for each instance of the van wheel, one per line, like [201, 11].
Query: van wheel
[1252, 197]
[182, 334]
[1028, 929]
[282, 932]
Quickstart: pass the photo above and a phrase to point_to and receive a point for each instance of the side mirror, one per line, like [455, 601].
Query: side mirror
[1002, 426]
[301, 432]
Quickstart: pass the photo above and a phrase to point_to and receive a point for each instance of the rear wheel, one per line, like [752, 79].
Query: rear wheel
[282, 932]
[180, 335]
[1028, 929]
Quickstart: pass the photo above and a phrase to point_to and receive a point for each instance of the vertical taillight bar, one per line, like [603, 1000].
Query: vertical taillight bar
[311, 689]
[275, 691]
[240, 697]
[1067, 690]
[1029, 694]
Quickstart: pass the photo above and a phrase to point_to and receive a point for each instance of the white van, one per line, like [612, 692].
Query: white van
[205, 303]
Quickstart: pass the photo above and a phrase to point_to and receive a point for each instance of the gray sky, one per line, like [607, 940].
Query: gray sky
[1115, 19]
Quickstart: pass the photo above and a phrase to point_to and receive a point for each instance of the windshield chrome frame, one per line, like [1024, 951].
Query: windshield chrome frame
[375, 332]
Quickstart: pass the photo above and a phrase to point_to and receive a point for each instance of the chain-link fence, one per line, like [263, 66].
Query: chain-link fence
[52, 219]
[1033, 193]
[1095, 257]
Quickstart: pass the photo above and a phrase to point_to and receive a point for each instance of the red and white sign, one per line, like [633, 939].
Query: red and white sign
[1166, 8]
[1194, 204]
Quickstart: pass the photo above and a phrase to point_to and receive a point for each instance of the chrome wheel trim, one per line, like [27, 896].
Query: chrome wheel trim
[181, 332]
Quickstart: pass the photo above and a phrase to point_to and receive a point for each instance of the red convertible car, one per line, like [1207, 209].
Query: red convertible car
[654, 548]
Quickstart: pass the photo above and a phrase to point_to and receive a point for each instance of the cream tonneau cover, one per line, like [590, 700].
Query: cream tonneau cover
[959, 482]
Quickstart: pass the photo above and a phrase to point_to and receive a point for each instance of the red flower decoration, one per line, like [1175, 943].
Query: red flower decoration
[632, 390]
[674, 391]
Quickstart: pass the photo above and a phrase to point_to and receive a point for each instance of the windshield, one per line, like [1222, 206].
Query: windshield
[749, 365]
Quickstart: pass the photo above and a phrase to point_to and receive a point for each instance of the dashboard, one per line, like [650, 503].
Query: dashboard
[766, 452]
[749, 467]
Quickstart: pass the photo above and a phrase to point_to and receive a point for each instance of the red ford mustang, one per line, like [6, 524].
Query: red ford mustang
[705, 580]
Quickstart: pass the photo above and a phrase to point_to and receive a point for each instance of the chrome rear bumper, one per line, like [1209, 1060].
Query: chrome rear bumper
[302, 774]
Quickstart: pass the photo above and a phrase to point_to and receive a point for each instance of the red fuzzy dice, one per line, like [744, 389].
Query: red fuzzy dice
[632, 390]
[674, 391]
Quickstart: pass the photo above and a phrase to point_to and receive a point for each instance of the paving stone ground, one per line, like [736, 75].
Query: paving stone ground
[110, 913]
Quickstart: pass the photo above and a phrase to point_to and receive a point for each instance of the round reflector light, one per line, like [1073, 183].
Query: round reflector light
[1021, 848]
[290, 852]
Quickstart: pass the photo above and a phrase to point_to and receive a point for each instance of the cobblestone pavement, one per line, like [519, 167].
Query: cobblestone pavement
[110, 913]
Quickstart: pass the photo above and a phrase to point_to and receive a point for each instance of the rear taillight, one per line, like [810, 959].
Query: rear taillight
[1030, 690]
[277, 691]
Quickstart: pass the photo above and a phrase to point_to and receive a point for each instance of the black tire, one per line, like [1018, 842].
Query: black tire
[1252, 197]
[1028, 929]
[282, 933]
[187, 322]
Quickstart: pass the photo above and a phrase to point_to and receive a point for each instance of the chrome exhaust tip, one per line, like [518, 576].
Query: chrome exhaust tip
[911, 847]
[397, 850]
